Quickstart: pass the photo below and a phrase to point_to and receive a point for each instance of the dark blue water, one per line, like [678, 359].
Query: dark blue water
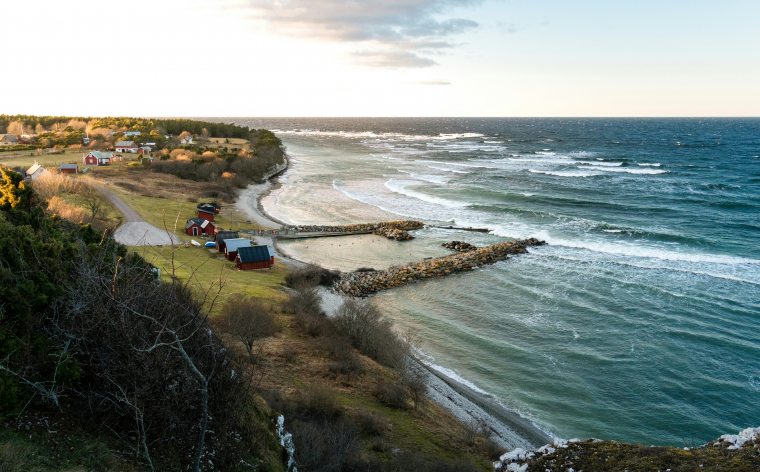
[639, 322]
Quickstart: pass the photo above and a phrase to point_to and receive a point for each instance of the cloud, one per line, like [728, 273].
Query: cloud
[391, 33]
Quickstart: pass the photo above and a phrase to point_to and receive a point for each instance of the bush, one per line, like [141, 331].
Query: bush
[248, 319]
[392, 394]
[325, 447]
[318, 401]
[371, 424]
[370, 332]
[310, 276]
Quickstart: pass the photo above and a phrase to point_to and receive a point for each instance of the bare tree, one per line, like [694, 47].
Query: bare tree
[249, 320]
[93, 201]
[204, 135]
[16, 128]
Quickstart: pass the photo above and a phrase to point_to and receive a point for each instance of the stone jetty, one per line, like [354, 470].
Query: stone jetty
[459, 246]
[362, 284]
[396, 230]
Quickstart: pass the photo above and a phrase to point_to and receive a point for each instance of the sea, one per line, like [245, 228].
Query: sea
[638, 322]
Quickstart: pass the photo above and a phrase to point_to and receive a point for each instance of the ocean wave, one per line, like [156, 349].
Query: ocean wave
[564, 173]
[644, 164]
[399, 186]
[642, 251]
[629, 170]
[604, 164]
[449, 170]
[372, 134]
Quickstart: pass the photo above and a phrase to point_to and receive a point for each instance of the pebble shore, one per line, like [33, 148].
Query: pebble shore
[363, 284]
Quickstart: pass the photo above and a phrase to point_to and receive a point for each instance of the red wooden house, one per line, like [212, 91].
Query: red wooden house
[221, 236]
[254, 257]
[207, 211]
[232, 245]
[97, 158]
[198, 226]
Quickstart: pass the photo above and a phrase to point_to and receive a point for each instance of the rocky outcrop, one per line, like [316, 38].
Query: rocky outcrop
[396, 230]
[459, 246]
[367, 283]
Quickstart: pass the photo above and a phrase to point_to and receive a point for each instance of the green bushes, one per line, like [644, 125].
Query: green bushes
[311, 275]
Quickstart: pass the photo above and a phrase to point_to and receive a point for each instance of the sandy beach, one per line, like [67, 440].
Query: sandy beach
[470, 406]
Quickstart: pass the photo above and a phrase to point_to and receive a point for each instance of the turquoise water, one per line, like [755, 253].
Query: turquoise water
[641, 319]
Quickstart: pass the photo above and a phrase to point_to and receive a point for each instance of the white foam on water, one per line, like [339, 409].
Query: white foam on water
[449, 170]
[564, 173]
[399, 186]
[649, 165]
[612, 230]
[606, 164]
[633, 171]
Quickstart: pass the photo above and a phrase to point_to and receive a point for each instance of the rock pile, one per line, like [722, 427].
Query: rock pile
[366, 283]
[396, 230]
[459, 246]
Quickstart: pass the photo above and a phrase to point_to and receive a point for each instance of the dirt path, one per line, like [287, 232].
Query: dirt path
[136, 231]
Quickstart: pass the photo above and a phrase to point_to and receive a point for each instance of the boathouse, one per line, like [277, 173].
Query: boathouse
[198, 226]
[254, 257]
[207, 211]
[232, 245]
[221, 236]
[69, 168]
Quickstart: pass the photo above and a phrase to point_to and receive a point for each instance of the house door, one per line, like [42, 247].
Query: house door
[195, 231]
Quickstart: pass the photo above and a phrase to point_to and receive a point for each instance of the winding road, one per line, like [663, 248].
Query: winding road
[136, 231]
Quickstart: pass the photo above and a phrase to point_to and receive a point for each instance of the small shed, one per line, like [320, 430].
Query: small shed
[221, 236]
[254, 257]
[207, 211]
[35, 171]
[143, 150]
[198, 226]
[69, 168]
[232, 245]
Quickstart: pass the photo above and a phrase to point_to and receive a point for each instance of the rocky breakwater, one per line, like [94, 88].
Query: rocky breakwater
[362, 284]
[459, 246]
[396, 230]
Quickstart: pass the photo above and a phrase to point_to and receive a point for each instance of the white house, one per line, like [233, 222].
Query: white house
[186, 140]
[36, 171]
[98, 158]
[127, 146]
[8, 140]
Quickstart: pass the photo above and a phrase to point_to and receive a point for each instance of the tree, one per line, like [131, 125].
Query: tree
[204, 135]
[16, 128]
[93, 201]
[248, 320]
[39, 129]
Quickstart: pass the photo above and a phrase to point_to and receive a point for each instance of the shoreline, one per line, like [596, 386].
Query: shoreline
[510, 429]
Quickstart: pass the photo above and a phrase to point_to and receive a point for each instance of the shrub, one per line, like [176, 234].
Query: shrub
[371, 424]
[318, 401]
[370, 332]
[324, 447]
[310, 276]
[392, 394]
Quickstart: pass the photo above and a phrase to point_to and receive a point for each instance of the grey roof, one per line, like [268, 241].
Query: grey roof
[271, 250]
[131, 133]
[9, 136]
[125, 143]
[254, 254]
[69, 166]
[233, 244]
[209, 206]
[222, 235]
[37, 166]
[100, 154]
[194, 221]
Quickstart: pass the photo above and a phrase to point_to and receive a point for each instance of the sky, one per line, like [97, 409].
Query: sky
[381, 58]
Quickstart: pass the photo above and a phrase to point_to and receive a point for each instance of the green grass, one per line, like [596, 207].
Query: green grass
[204, 268]
[27, 158]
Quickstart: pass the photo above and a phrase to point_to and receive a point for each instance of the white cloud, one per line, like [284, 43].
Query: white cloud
[389, 33]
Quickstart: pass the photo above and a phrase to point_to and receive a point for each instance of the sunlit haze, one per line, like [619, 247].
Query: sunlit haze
[381, 58]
